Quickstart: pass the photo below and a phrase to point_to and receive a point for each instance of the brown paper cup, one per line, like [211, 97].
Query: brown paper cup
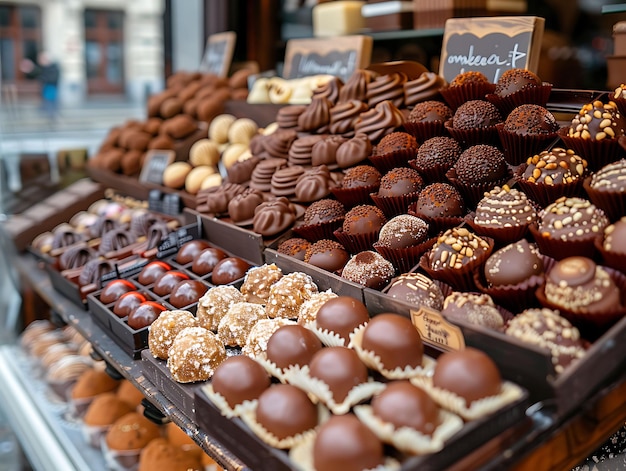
[544, 194]
[456, 96]
[529, 95]
[517, 148]
[596, 153]
[472, 137]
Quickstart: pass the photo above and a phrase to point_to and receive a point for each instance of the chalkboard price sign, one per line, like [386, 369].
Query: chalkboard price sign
[154, 166]
[218, 53]
[490, 45]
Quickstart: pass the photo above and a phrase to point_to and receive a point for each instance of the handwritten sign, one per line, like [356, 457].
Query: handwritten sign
[154, 166]
[176, 239]
[218, 53]
[436, 331]
[490, 45]
[338, 56]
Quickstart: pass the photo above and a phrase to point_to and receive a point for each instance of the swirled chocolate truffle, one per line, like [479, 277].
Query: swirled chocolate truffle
[360, 176]
[340, 368]
[195, 354]
[577, 284]
[187, 292]
[342, 315]
[327, 254]
[456, 248]
[379, 121]
[531, 120]
[404, 405]
[294, 247]
[468, 373]
[400, 181]
[344, 443]
[205, 261]
[322, 211]
[355, 87]
[370, 269]
[429, 111]
[292, 345]
[273, 217]
[363, 219]
[417, 289]
[439, 200]
[395, 340]
[257, 282]
[555, 166]
[344, 115]
[515, 80]
[513, 263]
[228, 270]
[425, 87]
[481, 163]
[473, 308]
[152, 271]
[242, 206]
[387, 87]
[240, 378]
[597, 121]
[504, 207]
[403, 231]
[571, 218]
[164, 330]
[314, 184]
[547, 329]
[114, 289]
[316, 117]
[286, 411]
[476, 114]
[190, 250]
[329, 89]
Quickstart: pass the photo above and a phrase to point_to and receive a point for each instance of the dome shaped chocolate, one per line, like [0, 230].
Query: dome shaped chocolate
[165, 283]
[292, 345]
[515, 80]
[286, 411]
[340, 368]
[152, 271]
[114, 289]
[327, 254]
[476, 114]
[127, 302]
[341, 315]
[190, 250]
[206, 260]
[187, 292]
[395, 340]
[228, 270]
[240, 378]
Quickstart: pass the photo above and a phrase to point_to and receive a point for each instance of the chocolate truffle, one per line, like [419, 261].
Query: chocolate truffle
[479, 164]
[342, 315]
[468, 373]
[307, 313]
[257, 282]
[322, 211]
[440, 150]
[195, 354]
[292, 345]
[256, 343]
[327, 254]
[127, 303]
[468, 77]
[294, 247]
[214, 305]
[555, 166]
[403, 231]
[344, 443]
[241, 207]
[236, 324]
[395, 340]
[455, 248]
[240, 378]
[114, 289]
[571, 218]
[369, 269]
[504, 207]
[340, 368]
[152, 271]
[513, 264]
[144, 314]
[439, 200]
[288, 294]
[547, 329]
[361, 176]
[165, 283]
[228, 270]
[476, 114]
[205, 261]
[597, 121]
[396, 142]
[400, 181]
[164, 330]
[286, 411]
[515, 80]
[363, 219]
[610, 178]
[531, 120]
[473, 308]
[615, 237]
[417, 289]
[404, 405]
[187, 292]
[577, 284]
[429, 111]
[190, 250]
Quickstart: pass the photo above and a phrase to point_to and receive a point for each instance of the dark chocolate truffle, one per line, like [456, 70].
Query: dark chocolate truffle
[240, 378]
[190, 250]
[473, 308]
[468, 77]
[571, 218]
[504, 207]
[206, 260]
[476, 114]
[340, 368]
[403, 231]
[286, 411]
[456, 248]
[187, 292]
[369, 269]
[555, 166]
[327, 254]
[531, 120]
[429, 111]
[342, 315]
[294, 247]
[152, 271]
[416, 289]
[363, 219]
[114, 289]
[144, 314]
[440, 150]
[468, 373]
[439, 200]
[360, 176]
[404, 405]
[400, 181]
[344, 443]
[481, 164]
[395, 340]
[515, 80]
[322, 211]
[292, 345]
[513, 264]
[164, 284]
[228, 270]
[127, 302]
[396, 142]
[597, 121]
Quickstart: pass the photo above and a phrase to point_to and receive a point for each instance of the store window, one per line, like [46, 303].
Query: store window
[104, 51]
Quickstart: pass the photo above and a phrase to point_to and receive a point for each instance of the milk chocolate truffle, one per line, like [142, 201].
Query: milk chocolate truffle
[468, 77]
[256, 343]
[340, 368]
[205, 261]
[195, 354]
[577, 284]
[369, 269]
[363, 219]
[105, 409]
[342, 315]
[404, 405]
[325, 210]
[308, 309]
[165, 283]
[361, 176]
[228, 270]
[428, 111]
[417, 289]
[286, 411]
[344, 115]
[164, 330]
[597, 121]
[240, 378]
[187, 292]
[288, 294]
[615, 237]
[531, 120]
[403, 231]
[571, 218]
[131, 432]
[468, 373]
[190, 250]
[294, 247]
[344, 443]
[473, 308]
[327, 254]
[114, 289]
[144, 314]
[513, 264]
[257, 282]
[547, 329]
[515, 80]
[555, 166]
[455, 248]
[292, 345]
[476, 114]
[400, 181]
[395, 340]
[398, 141]
[127, 303]
[504, 207]
[481, 164]
[152, 271]
[439, 200]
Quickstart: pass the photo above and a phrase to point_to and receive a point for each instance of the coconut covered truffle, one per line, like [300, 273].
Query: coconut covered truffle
[195, 354]
[164, 330]
[369, 269]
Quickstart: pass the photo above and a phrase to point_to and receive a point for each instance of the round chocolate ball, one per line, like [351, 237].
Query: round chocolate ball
[342, 315]
[468, 373]
[322, 211]
[513, 264]
[285, 411]
[295, 247]
[469, 77]
[395, 340]
[394, 142]
[240, 378]
[430, 111]
[481, 163]
[144, 314]
[340, 368]
[400, 181]
[531, 120]
[405, 405]
[515, 80]
[127, 302]
[114, 289]
[327, 254]
[417, 289]
[361, 176]
[440, 150]
[228, 270]
[152, 271]
[439, 200]
[165, 283]
[370, 269]
[187, 292]
[190, 250]
[476, 114]
[344, 443]
[206, 260]
[292, 345]
[363, 219]
[403, 231]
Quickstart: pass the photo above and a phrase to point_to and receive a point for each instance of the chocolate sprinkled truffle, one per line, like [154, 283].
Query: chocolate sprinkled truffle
[455, 248]
[400, 181]
[360, 176]
[470, 76]
[531, 120]
[569, 218]
[417, 289]
[363, 219]
[615, 237]
[395, 340]
[322, 211]
[428, 111]
[369, 269]
[515, 80]
[439, 200]
[440, 150]
[476, 114]
[403, 231]
[294, 247]
[394, 142]
[481, 164]
[504, 207]
[341, 315]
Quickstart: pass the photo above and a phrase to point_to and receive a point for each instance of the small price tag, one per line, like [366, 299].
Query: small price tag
[218, 53]
[437, 331]
[176, 239]
[156, 162]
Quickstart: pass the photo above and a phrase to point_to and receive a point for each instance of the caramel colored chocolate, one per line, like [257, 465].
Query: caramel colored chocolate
[292, 345]
[285, 411]
[240, 378]
[395, 340]
[342, 315]
[340, 368]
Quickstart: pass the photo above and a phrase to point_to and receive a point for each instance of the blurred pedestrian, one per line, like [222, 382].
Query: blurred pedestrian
[48, 73]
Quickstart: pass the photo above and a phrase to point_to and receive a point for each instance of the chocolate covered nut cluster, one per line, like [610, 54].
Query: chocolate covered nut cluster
[597, 121]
